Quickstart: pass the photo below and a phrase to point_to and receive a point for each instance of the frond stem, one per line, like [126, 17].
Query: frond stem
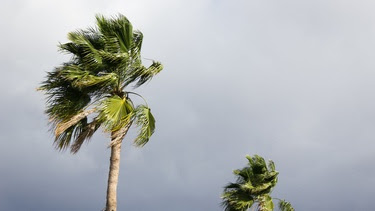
[138, 96]
[148, 59]
[277, 199]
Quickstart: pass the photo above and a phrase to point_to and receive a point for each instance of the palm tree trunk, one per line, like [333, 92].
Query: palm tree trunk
[114, 167]
[114, 170]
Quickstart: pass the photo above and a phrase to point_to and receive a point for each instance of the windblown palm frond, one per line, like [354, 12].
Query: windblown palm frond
[142, 74]
[117, 31]
[115, 112]
[265, 203]
[84, 135]
[146, 122]
[285, 206]
[88, 43]
[83, 79]
[63, 125]
[236, 200]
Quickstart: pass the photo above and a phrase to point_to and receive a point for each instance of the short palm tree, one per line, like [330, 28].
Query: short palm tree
[253, 187]
[91, 91]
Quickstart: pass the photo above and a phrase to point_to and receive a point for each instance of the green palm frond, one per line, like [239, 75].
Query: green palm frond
[265, 203]
[271, 165]
[257, 164]
[82, 79]
[69, 90]
[115, 112]
[63, 100]
[230, 186]
[146, 122]
[117, 60]
[237, 200]
[285, 206]
[87, 43]
[117, 30]
[65, 106]
[142, 74]
[137, 43]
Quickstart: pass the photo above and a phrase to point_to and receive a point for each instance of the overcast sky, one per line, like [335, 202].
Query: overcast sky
[290, 80]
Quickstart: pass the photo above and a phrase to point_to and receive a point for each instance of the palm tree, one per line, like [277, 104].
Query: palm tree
[253, 187]
[91, 91]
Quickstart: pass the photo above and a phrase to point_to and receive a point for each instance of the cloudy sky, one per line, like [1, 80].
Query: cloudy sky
[291, 80]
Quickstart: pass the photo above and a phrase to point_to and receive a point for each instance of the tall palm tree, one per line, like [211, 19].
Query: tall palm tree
[253, 187]
[91, 90]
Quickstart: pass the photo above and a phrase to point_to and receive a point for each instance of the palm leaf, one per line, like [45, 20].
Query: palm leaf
[285, 206]
[63, 100]
[266, 203]
[237, 200]
[119, 30]
[137, 43]
[85, 133]
[141, 74]
[63, 139]
[115, 112]
[62, 126]
[146, 122]
[82, 79]
[88, 41]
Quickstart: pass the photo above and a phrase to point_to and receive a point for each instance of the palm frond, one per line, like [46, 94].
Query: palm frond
[285, 206]
[83, 79]
[63, 140]
[84, 134]
[118, 60]
[271, 165]
[141, 74]
[63, 100]
[265, 203]
[137, 43]
[62, 126]
[89, 42]
[83, 44]
[232, 186]
[146, 122]
[236, 200]
[115, 113]
[119, 30]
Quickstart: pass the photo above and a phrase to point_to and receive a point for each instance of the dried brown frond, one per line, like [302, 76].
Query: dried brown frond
[87, 133]
[62, 126]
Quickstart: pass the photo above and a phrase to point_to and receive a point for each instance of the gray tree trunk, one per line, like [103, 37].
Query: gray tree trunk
[114, 167]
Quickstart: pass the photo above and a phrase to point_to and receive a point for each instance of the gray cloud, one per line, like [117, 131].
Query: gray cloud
[291, 81]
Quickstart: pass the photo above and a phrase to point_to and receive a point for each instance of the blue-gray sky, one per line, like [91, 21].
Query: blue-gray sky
[292, 81]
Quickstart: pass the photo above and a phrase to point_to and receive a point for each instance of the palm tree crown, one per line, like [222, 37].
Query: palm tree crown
[90, 91]
[253, 186]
